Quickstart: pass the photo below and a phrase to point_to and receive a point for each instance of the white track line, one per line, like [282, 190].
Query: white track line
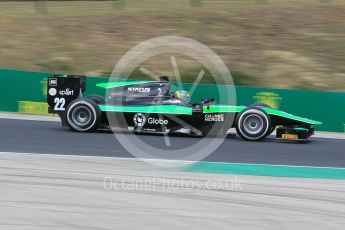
[162, 162]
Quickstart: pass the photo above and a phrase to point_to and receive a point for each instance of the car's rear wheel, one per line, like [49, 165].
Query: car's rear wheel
[83, 115]
[253, 124]
[97, 98]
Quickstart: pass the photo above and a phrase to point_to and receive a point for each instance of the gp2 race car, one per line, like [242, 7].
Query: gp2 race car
[148, 106]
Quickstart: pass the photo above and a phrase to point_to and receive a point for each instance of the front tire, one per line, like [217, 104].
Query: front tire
[260, 105]
[253, 124]
[83, 115]
[263, 105]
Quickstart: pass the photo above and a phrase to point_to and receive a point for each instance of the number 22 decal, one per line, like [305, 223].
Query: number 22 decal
[59, 104]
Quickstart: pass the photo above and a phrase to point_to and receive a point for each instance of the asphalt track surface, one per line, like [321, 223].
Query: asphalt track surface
[65, 191]
[49, 138]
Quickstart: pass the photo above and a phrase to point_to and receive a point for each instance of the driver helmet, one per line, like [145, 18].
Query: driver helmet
[182, 95]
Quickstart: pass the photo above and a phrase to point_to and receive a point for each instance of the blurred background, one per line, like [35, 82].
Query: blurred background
[297, 44]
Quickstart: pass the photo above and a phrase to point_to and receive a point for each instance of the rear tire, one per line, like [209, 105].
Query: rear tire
[97, 98]
[83, 115]
[253, 124]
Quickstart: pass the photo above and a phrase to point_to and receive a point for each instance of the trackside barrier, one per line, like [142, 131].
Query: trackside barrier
[25, 92]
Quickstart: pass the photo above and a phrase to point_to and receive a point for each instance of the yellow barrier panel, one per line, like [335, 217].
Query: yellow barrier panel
[39, 108]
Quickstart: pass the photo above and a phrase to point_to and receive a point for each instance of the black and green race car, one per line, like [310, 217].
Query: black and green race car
[148, 106]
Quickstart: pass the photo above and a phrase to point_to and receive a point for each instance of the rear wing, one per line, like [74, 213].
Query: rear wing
[62, 90]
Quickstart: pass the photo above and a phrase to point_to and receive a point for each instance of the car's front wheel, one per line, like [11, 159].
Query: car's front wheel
[83, 115]
[253, 124]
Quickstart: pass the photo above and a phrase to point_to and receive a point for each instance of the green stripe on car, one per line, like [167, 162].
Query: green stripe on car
[290, 116]
[121, 83]
[166, 109]
[222, 109]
